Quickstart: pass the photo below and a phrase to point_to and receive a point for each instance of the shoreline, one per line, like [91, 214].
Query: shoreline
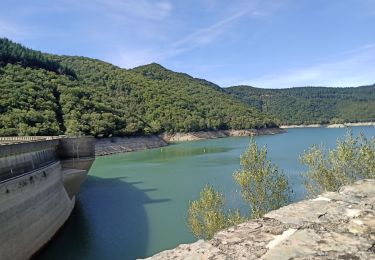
[116, 145]
[343, 125]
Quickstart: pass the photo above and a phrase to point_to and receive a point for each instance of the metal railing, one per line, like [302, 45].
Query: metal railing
[25, 139]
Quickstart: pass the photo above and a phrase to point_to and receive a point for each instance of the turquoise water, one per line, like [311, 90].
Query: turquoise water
[134, 205]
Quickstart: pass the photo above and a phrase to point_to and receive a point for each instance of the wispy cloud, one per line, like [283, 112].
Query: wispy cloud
[201, 37]
[149, 9]
[206, 35]
[356, 68]
[11, 30]
[130, 58]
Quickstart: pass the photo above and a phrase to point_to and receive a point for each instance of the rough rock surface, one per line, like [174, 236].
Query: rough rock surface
[192, 136]
[336, 225]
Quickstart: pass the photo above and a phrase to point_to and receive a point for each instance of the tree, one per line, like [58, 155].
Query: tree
[207, 215]
[263, 186]
[329, 169]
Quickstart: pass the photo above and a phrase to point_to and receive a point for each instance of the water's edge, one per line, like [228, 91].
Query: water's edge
[315, 222]
[114, 145]
[343, 125]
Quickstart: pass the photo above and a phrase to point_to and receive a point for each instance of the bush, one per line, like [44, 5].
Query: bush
[329, 169]
[263, 186]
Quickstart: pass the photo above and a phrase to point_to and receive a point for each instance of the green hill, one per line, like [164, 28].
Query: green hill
[311, 105]
[44, 94]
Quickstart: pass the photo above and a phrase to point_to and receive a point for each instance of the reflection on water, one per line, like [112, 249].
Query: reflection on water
[134, 205]
[118, 229]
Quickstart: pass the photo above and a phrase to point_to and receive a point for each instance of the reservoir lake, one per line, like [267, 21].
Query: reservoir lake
[135, 204]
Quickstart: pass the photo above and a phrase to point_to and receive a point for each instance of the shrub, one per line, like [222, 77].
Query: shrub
[329, 169]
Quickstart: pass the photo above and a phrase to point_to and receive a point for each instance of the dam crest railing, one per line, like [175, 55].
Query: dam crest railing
[24, 139]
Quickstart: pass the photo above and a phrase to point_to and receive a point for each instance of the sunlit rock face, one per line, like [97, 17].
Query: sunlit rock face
[335, 225]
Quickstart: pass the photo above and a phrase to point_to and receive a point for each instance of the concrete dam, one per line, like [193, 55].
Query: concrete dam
[39, 177]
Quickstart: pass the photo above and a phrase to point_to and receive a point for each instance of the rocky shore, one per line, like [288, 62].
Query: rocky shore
[351, 124]
[192, 136]
[330, 125]
[335, 225]
[113, 145]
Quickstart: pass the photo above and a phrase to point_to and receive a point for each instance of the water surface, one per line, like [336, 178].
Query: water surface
[134, 205]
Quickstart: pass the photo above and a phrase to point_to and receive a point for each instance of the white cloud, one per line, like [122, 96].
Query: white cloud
[201, 37]
[135, 57]
[206, 35]
[130, 58]
[149, 9]
[357, 67]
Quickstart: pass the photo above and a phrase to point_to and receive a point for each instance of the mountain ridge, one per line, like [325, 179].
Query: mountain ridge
[47, 94]
[103, 99]
[311, 105]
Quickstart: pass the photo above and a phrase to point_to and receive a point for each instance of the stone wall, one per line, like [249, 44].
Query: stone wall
[333, 226]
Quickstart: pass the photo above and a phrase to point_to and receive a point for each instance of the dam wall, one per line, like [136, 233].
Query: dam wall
[32, 209]
[39, 178]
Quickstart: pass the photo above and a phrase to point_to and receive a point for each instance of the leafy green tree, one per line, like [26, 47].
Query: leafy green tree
[263, 186]
[207, 215]
[329, 169]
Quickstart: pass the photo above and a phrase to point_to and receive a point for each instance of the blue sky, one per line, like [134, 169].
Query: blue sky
[265, 43]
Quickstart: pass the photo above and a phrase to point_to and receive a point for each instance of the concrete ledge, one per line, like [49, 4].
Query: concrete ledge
[333, 226]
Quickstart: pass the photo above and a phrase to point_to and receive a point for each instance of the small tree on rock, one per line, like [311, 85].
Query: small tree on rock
[329, 169]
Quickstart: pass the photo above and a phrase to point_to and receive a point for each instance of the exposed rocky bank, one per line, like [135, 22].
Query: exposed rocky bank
[336, 225]
[330, 125]
[192, 136]
[113, 145]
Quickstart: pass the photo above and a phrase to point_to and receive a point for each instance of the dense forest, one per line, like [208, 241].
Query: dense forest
[311, 105]
[44, 94]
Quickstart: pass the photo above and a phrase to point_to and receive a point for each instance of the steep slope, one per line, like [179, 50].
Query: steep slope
[48, 94]
[311, 105]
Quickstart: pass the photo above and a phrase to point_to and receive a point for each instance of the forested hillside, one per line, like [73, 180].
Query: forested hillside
[44, 94]
[311, 105]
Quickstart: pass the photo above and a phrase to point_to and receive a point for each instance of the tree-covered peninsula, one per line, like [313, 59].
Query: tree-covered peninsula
[44, 94]
[311, 105]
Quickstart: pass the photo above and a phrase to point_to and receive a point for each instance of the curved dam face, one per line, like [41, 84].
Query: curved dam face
[39, 178]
